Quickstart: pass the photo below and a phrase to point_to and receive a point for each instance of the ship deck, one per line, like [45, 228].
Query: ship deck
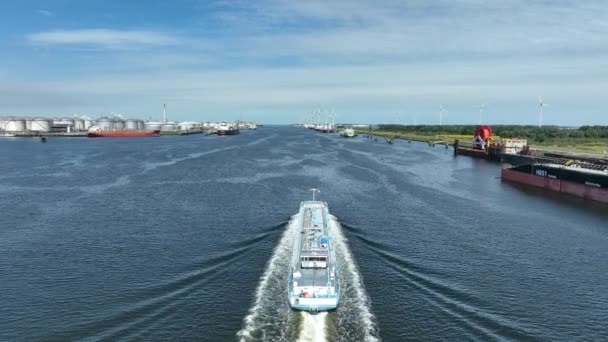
[312, 277]
[313, 228]
[600, 172]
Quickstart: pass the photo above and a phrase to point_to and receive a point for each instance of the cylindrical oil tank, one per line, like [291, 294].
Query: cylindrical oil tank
[141, 125]
[105, 124]
[153, 125]
[188, 126]
[41, 125]
[79, 124]
[131, 125]
[28, 123]
[2, 123]
[167, 127]
[14, 124]
[88, 123]
[119, 124]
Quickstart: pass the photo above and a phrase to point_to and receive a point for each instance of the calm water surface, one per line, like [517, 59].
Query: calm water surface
[186, 238]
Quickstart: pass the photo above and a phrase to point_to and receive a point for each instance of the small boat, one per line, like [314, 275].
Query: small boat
[7, 135]
[348, 133]
[313, 280]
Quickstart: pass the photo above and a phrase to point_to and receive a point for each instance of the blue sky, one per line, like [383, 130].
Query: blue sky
[276, 61]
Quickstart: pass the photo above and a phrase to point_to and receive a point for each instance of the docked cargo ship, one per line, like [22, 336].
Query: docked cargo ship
[226, 129]
[313, 279]
[589, 181]
[97, 132]
[484, 147]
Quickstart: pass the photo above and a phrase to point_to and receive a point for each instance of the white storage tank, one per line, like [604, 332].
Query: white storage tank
[41, 125]
[188, 126]
[141, 125]
[105, 124]
[15, 124]
[78, 124]
[153, 125]
[118, 124]
[2, 123]
[169, 126]
[88, 123]
[131, 125]
[28, 123]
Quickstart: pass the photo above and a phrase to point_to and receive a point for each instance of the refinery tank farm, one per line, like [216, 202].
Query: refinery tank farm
[83, 126]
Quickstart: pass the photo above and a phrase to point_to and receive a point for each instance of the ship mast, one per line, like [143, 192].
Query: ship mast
[314, 192]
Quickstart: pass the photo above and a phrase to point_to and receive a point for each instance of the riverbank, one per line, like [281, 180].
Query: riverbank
[596, 148]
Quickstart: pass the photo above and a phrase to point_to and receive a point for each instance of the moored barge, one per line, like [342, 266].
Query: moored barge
[589, 182]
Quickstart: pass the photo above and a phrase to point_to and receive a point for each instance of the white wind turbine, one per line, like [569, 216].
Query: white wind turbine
[441, 112]
[481, 108]
[541, 104]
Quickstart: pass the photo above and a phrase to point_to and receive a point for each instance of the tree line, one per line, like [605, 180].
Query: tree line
[533, 133]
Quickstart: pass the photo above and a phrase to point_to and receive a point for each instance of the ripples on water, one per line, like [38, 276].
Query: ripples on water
[185, 238]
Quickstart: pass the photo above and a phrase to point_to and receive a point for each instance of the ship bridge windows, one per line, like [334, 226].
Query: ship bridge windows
[314, 261]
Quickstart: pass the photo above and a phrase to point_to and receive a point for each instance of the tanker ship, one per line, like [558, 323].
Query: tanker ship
[581, 179]
[97, 132]
[313, 280]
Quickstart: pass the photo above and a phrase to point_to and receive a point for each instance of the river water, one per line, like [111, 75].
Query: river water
[187, 238]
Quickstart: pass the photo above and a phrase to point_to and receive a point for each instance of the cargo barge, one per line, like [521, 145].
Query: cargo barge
[590, 182]
[549, 158]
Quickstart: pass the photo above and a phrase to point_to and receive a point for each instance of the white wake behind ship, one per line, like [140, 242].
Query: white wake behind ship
[313, 280]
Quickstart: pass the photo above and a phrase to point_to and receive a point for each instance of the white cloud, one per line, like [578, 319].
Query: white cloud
[102, 37]
[472, 82]
[362, 30]
[45, 13]
[396, 54]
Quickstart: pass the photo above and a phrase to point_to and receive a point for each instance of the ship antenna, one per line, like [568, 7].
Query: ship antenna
[314, 192]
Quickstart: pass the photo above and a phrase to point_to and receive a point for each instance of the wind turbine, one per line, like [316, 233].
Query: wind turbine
[540, 110]
[441, 112]
[481, 108]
